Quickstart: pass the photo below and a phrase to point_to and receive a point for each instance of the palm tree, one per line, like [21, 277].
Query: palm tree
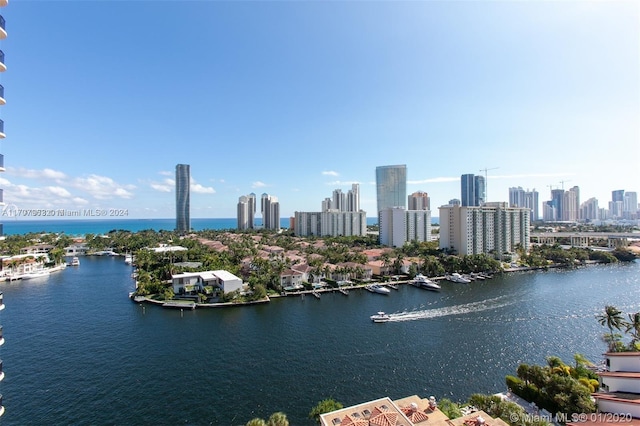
[612, 319]
[278, 419]
[256, 422]
[633, 327]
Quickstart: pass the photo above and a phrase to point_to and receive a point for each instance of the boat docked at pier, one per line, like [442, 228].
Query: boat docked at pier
[75, 261]
[421, 281]
[380, 317]
[377, 288]
[36, 274]
[457, 278]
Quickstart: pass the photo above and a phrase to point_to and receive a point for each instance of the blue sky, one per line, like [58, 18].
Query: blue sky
[297, 99]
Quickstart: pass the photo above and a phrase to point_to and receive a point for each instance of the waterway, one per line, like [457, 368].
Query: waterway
[78, 351]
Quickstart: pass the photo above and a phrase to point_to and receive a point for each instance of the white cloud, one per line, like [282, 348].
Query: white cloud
[165, 173]
[80, 201]
[58, 191]
[102, 187]
[199, 189]
[330, 173]
[166, 185]
[46, 174]
[258, 184]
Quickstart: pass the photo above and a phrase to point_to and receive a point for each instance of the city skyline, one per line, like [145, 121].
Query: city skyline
[261, 98]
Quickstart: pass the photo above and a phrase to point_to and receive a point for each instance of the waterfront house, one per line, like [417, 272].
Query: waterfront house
[291, 279]
[305, 270]
[37, 249]
[192, 282]
[76, 249]
[620, 384]
[21, 264]
[408, 411]
[379, 268]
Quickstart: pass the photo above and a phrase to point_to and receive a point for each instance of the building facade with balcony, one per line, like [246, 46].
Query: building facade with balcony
[620, 384]
[494, 228]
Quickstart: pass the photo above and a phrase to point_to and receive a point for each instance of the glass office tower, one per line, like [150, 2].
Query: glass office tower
[391, 186]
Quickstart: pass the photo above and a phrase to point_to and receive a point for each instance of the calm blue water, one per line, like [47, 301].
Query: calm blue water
[78, 351]
[102, 226]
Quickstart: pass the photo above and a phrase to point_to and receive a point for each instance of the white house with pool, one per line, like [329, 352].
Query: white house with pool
[189, 282]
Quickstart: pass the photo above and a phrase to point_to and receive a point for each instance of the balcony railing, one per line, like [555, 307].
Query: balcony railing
[1, 56]
[1, 195]
[1, 161]
[2, 22]
[1, 126]
[1, 91]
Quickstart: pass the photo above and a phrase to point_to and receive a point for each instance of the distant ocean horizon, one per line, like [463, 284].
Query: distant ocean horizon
[81, 227]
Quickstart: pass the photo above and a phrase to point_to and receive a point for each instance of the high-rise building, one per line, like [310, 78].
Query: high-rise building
[473, 190]
[419, 201]
[479, 190]
[391, 186]
[531, 202]
[617, 195]
[494, 228]
[467, 190]
[557, 199]
[518, 197]
[270, 212]
[246, 212]
[399, 226]
[353, 198]
[630, 205]
[340, 216]
[339, 200]
[589, 210]
[549, 211]
[617, 203]
[183, 207]
[571, 205]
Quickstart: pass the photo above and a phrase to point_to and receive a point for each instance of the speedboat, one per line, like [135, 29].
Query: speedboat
[423, 282]
[380, 317]
[457, 278]
[75, 261]
[377, 288]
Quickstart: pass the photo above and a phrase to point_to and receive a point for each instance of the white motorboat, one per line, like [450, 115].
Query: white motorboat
[457, 278]
[423, 282]
[32, 275]
[75, 261]
[128, 258]
[377, 288]
[380, 317]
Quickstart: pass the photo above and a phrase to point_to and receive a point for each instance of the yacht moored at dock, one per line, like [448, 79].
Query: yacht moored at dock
[421, 281]
[457, 278]
[377, 288]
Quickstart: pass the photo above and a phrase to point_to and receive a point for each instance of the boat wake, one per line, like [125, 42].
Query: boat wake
[466, 308]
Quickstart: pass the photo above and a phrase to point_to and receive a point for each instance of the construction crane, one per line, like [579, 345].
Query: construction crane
[562, 183]
[486, 181]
